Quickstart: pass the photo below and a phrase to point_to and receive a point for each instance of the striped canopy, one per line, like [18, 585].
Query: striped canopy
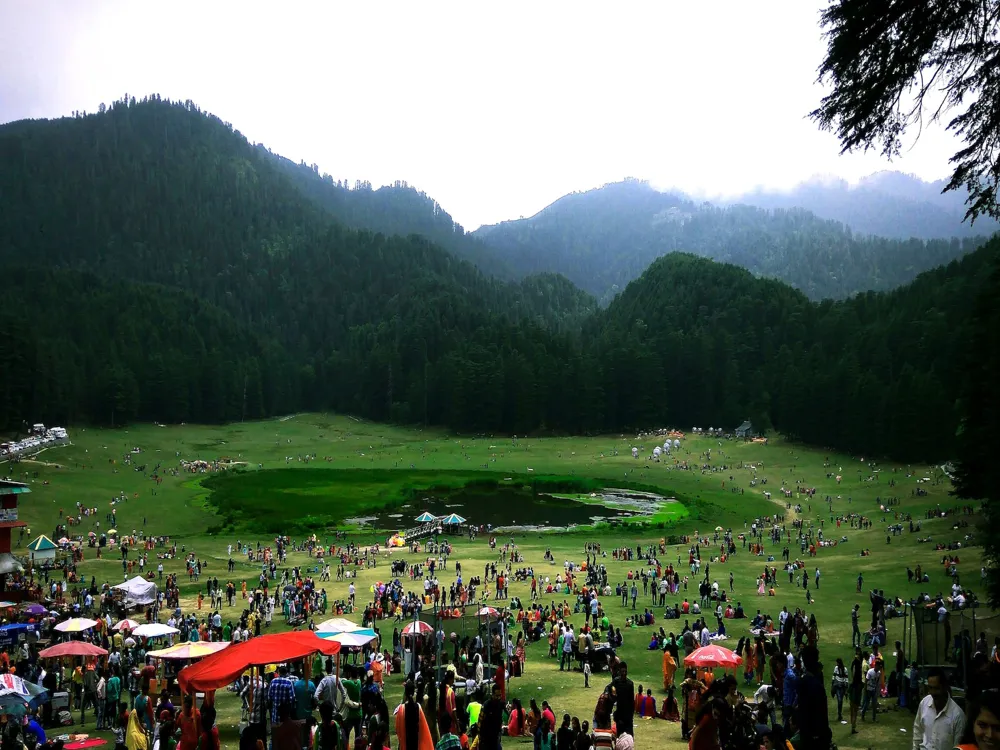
[336, 625]
[189, 651]
[76, 625]
[353, 639]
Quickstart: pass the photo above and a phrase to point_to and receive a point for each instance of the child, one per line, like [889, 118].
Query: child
[586, 673]
[120, 730]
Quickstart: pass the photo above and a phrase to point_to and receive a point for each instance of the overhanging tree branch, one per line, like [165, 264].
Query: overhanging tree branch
[883, 54]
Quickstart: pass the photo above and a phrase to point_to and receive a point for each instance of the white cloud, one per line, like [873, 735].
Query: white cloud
[495, 109]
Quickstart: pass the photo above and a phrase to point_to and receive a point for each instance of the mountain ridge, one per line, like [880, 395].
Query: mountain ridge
[241, 283]
[603, 238]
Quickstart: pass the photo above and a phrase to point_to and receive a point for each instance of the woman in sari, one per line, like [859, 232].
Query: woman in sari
[759, 660]
[669, 668]
[749, 663]
[412, 731]
[135, 733]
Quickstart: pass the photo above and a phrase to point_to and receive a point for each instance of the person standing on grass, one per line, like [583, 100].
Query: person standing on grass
[939, 723]
[789, 690]
[873, 682]
[856, 639]
[814, 716]
[624, 692]
[838, 686]
[566, 657]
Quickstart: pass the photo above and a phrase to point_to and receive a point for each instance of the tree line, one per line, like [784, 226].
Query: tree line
[162, 268]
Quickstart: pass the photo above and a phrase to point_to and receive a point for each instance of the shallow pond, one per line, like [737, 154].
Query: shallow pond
[519, 507]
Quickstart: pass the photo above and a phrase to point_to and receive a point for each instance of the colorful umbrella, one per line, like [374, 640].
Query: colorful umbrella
[64, 540]
[126, 625]
[35, 609]
[72, 648]
[154, 630]
[418, 628]
[112, 531]
[189, 651]
[17, 695]
[425, 517]
[76, 625]
[453, 520]
[336, 625]
[488, 612]
[354, 639]
[713, 656]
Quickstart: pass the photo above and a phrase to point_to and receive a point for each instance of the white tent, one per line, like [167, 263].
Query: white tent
[138, 591]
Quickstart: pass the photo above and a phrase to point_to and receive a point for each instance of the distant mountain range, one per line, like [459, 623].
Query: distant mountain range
[887, 204]
[174, 272]
[602, 239]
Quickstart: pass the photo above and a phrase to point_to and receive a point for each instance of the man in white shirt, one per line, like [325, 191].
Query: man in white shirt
[939, 722]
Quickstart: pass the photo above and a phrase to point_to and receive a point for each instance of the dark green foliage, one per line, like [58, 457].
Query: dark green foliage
[885, 56]
[159, 267]
[605, 238]
[392, 209]
[76, 348]
[980, 432]
[692, 342]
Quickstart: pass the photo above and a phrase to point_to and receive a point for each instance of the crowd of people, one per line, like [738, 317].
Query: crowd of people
[458, 685]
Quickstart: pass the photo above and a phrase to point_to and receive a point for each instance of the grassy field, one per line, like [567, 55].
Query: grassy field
[397, 461]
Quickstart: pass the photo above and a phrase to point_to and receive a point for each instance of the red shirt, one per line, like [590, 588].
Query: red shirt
[190, 729]
[547, 714]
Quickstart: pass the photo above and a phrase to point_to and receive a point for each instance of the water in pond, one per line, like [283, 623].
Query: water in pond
[509, 507]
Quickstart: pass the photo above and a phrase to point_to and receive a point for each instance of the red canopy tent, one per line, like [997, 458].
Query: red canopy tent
[713, 656]
[72, 648]
[221, 669]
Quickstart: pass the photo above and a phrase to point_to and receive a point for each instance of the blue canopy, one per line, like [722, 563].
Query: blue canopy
[425, 517]
[453, 520]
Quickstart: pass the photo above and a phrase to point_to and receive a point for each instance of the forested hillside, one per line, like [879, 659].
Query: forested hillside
[76, 348]
[391, 209]
[886, 204]
[153, 192]
[693, 342]
[603, 239]
[160, 267]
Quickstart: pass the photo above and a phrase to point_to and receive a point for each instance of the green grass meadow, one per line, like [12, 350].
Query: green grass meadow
[359, 466]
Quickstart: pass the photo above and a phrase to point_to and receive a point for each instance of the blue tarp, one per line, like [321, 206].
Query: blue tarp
[9, 634]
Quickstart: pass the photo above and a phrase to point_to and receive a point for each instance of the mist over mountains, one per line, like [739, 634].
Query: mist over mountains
[604, 238]
[888, 204]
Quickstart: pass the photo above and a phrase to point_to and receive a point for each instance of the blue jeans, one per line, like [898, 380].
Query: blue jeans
[566, 658]
[99, 708]
[870, 698]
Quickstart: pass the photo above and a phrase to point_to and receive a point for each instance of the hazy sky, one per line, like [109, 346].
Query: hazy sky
[493, 108]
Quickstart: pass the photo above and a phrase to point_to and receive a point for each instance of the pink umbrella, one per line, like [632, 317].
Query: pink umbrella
[72, 648]
[126, 625]
[713, 656]
[488, 612]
